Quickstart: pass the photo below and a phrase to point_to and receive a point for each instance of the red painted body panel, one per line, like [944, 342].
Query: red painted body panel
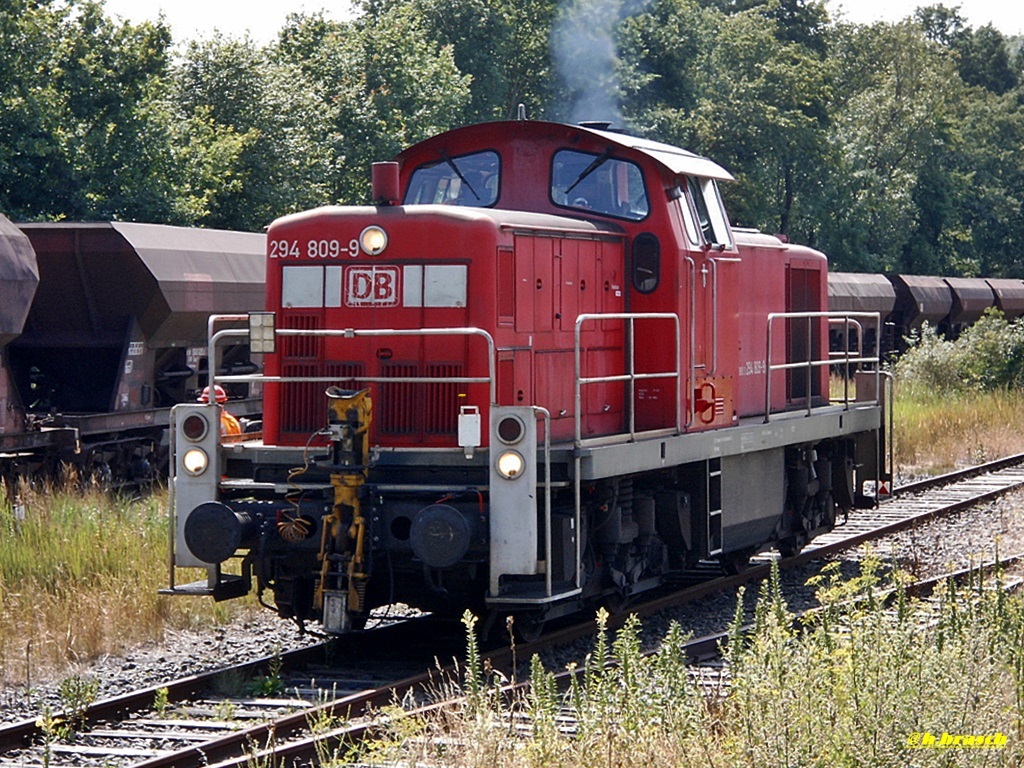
[523, 270]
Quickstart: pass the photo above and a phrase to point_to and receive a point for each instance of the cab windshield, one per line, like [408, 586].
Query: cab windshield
[599, 184]
[466, 180]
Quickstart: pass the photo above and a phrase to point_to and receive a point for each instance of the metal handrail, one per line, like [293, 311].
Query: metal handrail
[349, 333]
[631, 376]
[548, 584]
[810, 364]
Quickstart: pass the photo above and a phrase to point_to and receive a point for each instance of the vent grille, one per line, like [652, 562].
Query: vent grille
[299, 411]
[398, 415]
[305, 347]
[419, 409]
[303, 404]
[442, 409]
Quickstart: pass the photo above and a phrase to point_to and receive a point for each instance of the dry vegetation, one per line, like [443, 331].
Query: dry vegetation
[941, 432]
[855, 687]
[79, 574]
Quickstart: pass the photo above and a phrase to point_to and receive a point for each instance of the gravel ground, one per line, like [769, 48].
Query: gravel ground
[955, 541]
[180, 654]
[930, 549]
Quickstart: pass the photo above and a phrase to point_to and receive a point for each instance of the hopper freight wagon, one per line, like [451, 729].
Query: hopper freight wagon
[106, 330]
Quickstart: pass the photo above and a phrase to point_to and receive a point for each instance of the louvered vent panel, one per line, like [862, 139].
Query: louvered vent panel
[398, 407]
[419, 409]
[442, 399]
[301, 412]
[301, 409]
[306, 347]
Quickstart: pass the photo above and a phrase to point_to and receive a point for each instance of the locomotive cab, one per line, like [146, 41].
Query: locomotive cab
[542, 371]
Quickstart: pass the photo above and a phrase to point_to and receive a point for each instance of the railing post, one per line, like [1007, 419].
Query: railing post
[810, 365]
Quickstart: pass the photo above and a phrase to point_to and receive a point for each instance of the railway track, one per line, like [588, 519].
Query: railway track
[128, 731]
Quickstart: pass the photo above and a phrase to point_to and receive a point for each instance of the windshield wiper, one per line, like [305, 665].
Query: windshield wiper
[597, 163]
[463, 179]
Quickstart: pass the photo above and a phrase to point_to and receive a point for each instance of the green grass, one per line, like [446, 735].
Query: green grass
[79, 575]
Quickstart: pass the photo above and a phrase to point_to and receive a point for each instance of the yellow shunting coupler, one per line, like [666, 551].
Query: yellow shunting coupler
[343, 577]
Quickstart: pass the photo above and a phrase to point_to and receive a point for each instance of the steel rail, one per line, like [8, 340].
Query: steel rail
[221, 750]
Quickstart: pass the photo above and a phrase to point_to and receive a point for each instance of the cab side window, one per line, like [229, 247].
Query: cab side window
[473, 179]
[598, 184]
[710, 212]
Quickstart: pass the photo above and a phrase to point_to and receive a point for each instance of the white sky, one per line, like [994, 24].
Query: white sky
[190, 19]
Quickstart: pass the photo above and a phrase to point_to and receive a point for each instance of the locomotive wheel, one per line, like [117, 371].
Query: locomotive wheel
[528, 627]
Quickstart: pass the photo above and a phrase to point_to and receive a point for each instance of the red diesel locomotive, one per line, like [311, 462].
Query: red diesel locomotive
[542, 370]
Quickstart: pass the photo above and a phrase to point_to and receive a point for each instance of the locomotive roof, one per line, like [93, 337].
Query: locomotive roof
[677, 160]
[499, 216]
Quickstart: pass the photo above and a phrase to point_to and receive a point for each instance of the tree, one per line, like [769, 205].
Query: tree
[894, 124]
[661, 52]
[251, 141]
[762, 111]
[502, 45]
[381, 81]
[79, 137]
[803, 22]
[989, 238]
[985, 61]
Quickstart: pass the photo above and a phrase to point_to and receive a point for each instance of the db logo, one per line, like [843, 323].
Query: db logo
[371, 286]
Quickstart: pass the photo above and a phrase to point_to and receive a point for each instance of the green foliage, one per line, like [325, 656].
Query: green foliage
[77, 136]
[77, 694]
[764, 116]
[251, 136]
[501, 45]
[859, 683]
[161, 702]
[890, 146]
[380, 82]
[989, 355]
[270, 684]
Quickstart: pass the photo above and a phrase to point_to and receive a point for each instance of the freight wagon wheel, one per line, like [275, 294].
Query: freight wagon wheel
[792, 545]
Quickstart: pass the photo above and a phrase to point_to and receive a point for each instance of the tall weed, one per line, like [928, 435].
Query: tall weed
[858, 685]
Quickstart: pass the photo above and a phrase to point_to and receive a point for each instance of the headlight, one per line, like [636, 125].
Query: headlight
[373, 240]
[195, 461]
[510, 465]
